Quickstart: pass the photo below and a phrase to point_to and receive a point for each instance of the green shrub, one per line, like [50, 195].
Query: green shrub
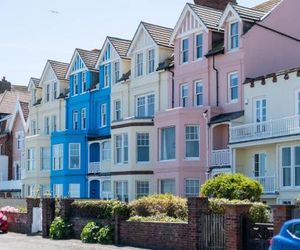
[155, 218]
[99, 209]
[166, 204]
[232, 187]
[106, 235]
[259, 212]
[60, 229]
[89, 233]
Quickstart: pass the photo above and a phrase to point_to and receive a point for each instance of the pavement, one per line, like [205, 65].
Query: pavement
[14, 241]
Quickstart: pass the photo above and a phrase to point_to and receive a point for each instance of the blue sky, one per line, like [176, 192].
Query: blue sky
[33, 31]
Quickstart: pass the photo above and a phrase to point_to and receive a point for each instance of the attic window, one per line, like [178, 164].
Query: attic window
[234, 36]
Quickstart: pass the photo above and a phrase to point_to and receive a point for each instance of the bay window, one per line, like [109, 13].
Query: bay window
[141, 189]
[192, 188]
[167, 186]
[192, 149]
[145, 105]
[74, 155]
[45, 158]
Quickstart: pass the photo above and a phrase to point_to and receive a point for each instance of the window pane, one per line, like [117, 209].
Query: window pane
[74, 155]
[192, 141]
[142, 147]
[192, 188]
[168, 186]
[142, 189]
[168, 144]
[287, 177]
[151, 99]
[199, 45]
[286, 157]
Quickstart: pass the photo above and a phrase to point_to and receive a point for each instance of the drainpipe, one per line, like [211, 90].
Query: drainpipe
[206, 138]
[173, 86]
[217, 80]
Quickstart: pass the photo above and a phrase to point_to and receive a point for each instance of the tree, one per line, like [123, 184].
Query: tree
[232, 187]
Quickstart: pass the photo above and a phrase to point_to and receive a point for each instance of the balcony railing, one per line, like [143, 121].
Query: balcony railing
[10, 185]
[268, 183]
[221, 158]
[263, 130]
[94, 167]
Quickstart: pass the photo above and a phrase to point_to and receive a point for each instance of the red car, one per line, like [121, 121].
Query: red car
[3, 223]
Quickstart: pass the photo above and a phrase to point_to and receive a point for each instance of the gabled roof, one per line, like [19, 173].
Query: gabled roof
[159, 34]
[209, 16]
[59, 68]
[248, 14]
[25, 109]
[89, 57]
[21, 108]
[120, 45]
[268, 5]
[35, 81]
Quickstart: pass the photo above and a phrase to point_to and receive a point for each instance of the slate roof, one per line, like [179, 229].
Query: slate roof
[120, 45]
[161, 35]
[89, 57]
[59, 68]
[267, 6]
[25, 109]
[209, 16]
[226, 117]
[248, 14]
[35, 81]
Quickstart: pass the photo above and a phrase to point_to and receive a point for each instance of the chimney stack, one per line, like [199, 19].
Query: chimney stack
[216, 4]
[4, 85]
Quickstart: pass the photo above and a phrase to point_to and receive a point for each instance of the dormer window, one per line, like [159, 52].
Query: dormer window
[83, 82]
[185, 50]
[199, 46]
[234, 36]
[75, 85]
[139, 64]
[151, 61]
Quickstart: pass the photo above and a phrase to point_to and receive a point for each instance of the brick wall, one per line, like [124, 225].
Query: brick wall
[281, 213]
[18, 223]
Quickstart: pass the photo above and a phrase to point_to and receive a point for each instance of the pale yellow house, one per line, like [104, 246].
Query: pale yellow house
[266, 142]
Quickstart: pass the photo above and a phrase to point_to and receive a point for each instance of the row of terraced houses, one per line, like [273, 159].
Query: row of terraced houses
[167, 110]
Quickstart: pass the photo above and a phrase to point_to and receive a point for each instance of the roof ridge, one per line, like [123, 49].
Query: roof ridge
[113, 37]
[203, 6]
[50, 60]
[157, 25]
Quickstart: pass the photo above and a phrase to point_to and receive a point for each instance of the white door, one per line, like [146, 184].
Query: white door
[36, 220]
[261, 114]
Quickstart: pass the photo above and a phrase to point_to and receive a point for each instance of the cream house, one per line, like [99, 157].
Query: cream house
[134, 102]
[266, 143]
[47, 114]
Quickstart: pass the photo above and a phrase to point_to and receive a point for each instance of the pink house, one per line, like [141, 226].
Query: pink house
[216, 47]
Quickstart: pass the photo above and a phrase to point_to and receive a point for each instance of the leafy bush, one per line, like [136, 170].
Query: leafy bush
[89, 233]
[155, 218]
[259, 212]
[156, 204]
[106, 235]
[60, 229]
[232, 187]
[99, 209]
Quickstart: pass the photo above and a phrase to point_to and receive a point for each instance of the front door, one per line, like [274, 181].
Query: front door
[95, 189]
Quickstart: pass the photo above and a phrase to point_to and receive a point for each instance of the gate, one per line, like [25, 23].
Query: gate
[212, 232]
[36, 220]
[257, 235]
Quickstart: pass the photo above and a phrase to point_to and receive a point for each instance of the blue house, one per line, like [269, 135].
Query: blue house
[87, 119]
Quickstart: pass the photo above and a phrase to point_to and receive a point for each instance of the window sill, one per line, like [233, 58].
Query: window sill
[192, 159]
[235, 101]
[165, 161]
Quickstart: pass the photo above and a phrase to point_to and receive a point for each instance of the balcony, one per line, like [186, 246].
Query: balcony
[221, 158]
[94, 167]
[264, 130]
[268, 183]
[10, 185]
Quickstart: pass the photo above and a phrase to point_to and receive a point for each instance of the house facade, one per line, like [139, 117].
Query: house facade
[70, 147]
[46, 116]
[135, 100]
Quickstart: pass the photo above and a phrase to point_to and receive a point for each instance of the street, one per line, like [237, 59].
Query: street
[14, 241]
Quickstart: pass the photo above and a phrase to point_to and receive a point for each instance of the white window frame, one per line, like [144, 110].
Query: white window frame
[182, 51]
[47, 129]
[79, 156]
[196, 94]
[58, 190]
[122, 147]
[105, 151]
[186, 187]
[33, 127]
[103, 115]
[74, 190]
[116, 72]
[198, 46]
[54, 94]
[53, 123]
[261, 171]
[106, 75]
[192, 140]
[230, 36]
[184, 99]
[83, 82]
[47, 94]
[83, 118]
[231, 100]
[124, 194]
[150, 61]
[75, 85]
[142, 188]
[145, 144]
[118, 110]
[58, 156]
[75, 120]
[146, 104]
[161, 144]
[161, 181]
[139, 64]
[48, 159]
[30, 159]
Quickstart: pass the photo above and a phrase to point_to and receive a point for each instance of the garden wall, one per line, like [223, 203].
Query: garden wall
[18, 223]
